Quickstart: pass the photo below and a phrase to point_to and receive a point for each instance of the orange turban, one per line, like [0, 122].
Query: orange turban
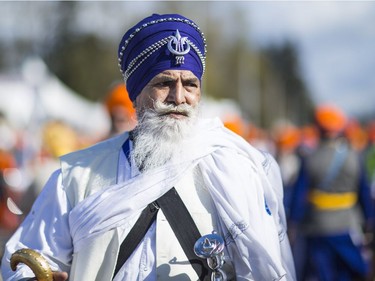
[371, 131]
[288, 138]
[236, 124]
[118, 97]
[330, 118]
[7, 160]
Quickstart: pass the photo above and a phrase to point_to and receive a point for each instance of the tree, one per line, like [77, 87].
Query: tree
[284, 60]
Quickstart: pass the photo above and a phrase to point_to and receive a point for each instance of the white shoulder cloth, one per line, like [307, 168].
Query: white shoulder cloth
[246, 202]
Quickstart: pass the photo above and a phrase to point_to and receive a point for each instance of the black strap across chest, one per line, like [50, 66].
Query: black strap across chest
[181, 223]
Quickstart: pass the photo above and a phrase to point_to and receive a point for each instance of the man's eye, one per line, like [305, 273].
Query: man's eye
[191, 85]
[195, 85]
[163, 84]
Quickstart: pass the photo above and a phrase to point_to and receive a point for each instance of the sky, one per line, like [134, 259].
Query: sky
[335, 39]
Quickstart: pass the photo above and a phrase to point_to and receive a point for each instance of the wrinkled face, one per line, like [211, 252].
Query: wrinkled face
[172, 87]
[167, 111]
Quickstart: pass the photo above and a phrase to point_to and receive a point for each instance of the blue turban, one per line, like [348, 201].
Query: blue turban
[158, 43]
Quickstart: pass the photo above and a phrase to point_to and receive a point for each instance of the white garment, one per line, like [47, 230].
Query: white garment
[238, 184]
[233, 172]
[171, 260]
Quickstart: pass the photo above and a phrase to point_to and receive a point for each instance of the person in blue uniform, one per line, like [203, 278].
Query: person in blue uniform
[331, 206]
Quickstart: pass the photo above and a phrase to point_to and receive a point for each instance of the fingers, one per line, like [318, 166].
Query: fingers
[60, 276]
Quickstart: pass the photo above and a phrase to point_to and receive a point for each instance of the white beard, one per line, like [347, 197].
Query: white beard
[158, 137]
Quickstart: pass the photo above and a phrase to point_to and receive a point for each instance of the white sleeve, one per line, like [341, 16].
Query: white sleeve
[45, 229]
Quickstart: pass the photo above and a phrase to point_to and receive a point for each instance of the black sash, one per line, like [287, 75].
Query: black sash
[181, 223]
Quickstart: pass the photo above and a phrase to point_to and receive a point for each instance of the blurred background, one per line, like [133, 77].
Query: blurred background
[274, 59]
[269, 65]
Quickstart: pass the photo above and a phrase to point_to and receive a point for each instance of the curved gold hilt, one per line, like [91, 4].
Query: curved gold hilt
[35, 261]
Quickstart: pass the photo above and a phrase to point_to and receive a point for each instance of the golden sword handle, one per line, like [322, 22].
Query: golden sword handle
[35, 261]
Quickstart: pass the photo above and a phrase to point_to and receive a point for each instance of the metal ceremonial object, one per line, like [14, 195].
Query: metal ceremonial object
[37, 263]
[211, 247]
[179, 49]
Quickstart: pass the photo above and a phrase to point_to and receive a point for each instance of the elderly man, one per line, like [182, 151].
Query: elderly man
[132, 207]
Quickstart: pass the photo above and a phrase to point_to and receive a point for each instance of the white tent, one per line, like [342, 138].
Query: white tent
[37, 95]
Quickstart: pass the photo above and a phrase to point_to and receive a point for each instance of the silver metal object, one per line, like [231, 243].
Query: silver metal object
[211, 247]
[181, 47]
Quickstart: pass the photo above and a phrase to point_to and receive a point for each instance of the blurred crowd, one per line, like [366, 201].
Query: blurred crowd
[328, 173]
[28, 158]
[313, 201]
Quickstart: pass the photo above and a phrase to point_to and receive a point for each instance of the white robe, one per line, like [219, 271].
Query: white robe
[244, 184]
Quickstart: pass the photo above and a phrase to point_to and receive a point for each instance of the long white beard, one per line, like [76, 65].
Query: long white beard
[158, 137]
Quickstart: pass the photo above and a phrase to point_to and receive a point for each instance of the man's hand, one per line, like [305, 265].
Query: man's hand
[60, 276]
[56, 275]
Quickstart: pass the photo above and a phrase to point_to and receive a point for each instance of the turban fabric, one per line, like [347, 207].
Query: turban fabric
[159, 43]
[330, 118]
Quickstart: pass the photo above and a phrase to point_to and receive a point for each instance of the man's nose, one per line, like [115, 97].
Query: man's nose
[177, 94]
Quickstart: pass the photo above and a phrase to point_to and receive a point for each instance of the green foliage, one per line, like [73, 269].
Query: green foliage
[284, 60]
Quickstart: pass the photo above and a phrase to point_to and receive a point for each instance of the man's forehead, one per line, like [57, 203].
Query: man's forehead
[185, 74]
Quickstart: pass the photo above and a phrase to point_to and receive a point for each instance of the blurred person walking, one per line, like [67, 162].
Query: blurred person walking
[331, 206]
[287, 138]
[9, 179]
[120, 110]
[58, 138]
[369, 158]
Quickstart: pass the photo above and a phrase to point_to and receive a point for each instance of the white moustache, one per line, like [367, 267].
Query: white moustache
[163, 109]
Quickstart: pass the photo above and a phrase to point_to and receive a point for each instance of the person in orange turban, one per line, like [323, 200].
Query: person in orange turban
[331, 203]
[120, 109]
[330, 119]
